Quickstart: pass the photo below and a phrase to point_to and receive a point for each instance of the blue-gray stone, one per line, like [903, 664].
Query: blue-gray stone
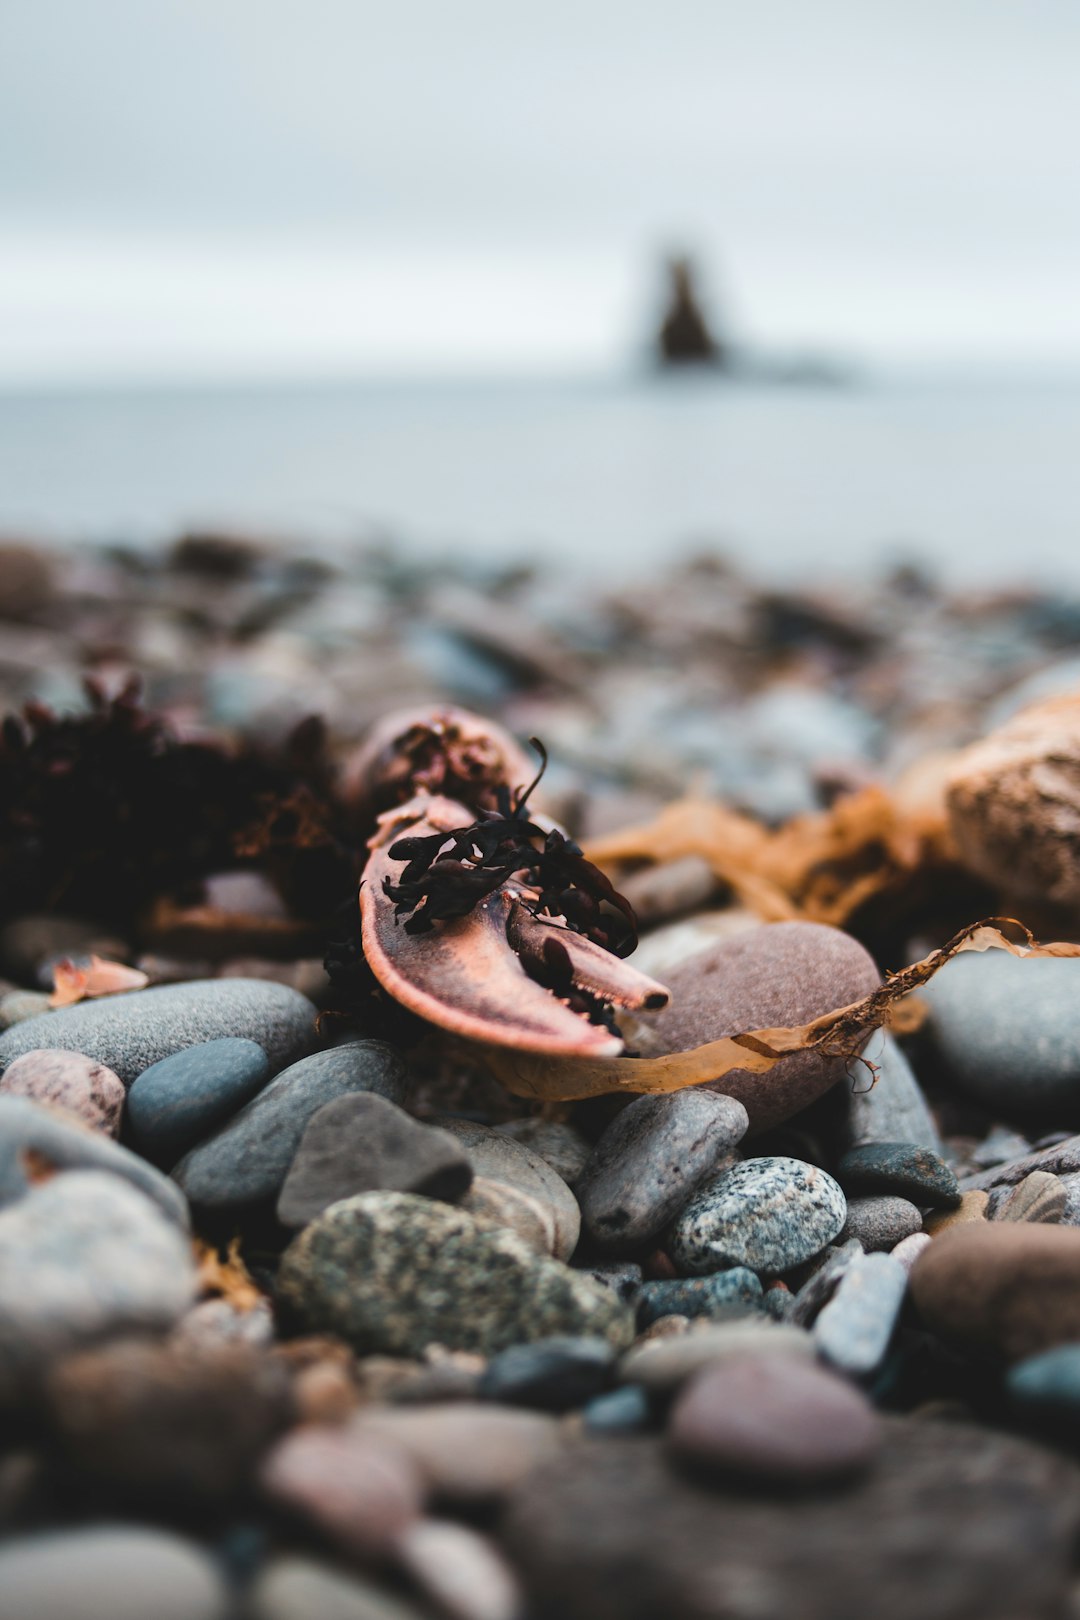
[30, 1131]
[130, 1032]
[724, 1295]
[1046, 1387]
[902, 1170]
[854, 1329]
[1007, 1032]
[769, 1214]
[553, 1375]
[176, 1102]
[246, 1162]
[651, 1160]
[893, 1108]
[620, 1411]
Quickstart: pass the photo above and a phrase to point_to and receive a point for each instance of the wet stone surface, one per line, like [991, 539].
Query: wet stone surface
[769, 1214]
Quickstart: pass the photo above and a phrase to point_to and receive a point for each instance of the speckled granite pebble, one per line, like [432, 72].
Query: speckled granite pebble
[68, 1080]
[903, 1169]
[737, 1292]
[651, 1160]
[853, 1331]
[134, 1030]
[769, 1214]
[380, 1269]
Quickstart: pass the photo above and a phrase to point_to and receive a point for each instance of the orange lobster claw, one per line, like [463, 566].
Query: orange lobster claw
[469, 974]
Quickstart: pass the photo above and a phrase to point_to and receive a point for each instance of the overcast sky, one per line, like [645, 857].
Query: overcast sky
[245, 187]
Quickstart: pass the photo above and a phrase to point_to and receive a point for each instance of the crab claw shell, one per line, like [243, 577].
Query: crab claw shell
[466, 974]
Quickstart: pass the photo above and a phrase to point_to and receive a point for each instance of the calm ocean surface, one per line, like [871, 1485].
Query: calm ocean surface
[982, 480]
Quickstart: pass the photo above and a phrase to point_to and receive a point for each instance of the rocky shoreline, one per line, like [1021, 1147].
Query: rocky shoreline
[304, 1312]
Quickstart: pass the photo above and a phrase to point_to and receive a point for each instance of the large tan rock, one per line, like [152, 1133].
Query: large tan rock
[1014, 803]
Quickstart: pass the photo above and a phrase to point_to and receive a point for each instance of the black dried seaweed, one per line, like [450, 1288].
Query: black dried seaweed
[447, 874]
[103, 812]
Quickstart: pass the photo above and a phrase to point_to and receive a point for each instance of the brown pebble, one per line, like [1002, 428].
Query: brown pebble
[1007, 1286]
[325, 1393]
[774, 1417]
[69, 1080]
[1014, 803]
[360, 1488]
[972, 1207]
[665, 1327]
[161, 1423]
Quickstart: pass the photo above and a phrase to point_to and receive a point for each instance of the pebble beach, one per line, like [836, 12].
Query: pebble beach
[334, 1279]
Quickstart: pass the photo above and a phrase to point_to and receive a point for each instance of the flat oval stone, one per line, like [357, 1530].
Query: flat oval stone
[467, 1451]
[531, 1220]
[651, 1160]
[360, 1489]
[881, 1223]
[36, 1141]
[110, 1572]
[498, 1157]
[292, 1588]
[559, 1144]
[775, 1418]
[769, 1214]
[902, 1168]
[361, 1143]
[247, 1160]
[1039, 1197]
[779, 974]
[664, 1364]
[619, 1411]
[379, 1270]
[855, 1328]
[733, 1293]
[893, 1108]
[1007, 1031]
[68, 1080]
[82, 1256]
[175, 1103]
[1004, 1287]
[553, 1375]
[130, 1032]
